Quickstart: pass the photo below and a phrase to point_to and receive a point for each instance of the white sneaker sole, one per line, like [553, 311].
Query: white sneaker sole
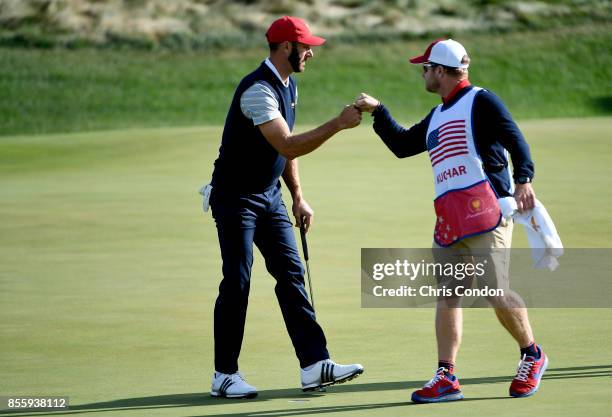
[340, 380]
[247, 395]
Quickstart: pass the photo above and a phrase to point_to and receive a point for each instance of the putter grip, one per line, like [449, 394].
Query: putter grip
[304, 244]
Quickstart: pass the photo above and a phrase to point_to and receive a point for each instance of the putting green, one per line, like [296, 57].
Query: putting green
[109, 272]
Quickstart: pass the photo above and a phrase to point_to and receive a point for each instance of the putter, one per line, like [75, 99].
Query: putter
[305, 251]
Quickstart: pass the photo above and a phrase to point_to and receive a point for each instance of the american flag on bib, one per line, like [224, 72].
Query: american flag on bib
[447, 141]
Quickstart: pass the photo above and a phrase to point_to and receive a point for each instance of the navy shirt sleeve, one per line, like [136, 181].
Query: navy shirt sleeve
[401, 141]
[493, 129]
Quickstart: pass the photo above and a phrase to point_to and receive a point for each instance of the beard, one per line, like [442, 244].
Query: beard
[294, 58]
[432, 86]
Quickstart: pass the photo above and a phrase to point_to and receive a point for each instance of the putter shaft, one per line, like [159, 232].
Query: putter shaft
[305, 250]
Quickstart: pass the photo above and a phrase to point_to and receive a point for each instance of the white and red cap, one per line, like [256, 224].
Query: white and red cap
[445, 52]
[292, 29]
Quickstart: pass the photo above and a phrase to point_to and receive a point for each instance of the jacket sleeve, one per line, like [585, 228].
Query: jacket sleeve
[495, 123]
[401, 141]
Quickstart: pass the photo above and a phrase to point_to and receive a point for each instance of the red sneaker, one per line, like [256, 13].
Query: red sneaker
[440, 388]
[529, 375]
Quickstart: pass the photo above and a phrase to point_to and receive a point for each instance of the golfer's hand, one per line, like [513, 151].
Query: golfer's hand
[302, 213]
[367, 103]
[350, 117]
[524, 196]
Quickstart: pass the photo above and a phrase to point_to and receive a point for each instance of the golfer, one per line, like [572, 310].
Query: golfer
[468, 138]
[257, 148]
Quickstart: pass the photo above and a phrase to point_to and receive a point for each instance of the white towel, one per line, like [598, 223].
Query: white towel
[542, 235]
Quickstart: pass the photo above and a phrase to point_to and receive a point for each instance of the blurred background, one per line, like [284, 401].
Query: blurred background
[204, 23]
[74, 65]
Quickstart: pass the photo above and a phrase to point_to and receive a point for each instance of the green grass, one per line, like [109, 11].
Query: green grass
[109, 271]
[561, 73]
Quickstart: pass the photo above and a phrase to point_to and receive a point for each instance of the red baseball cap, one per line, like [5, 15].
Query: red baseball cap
[292, 29]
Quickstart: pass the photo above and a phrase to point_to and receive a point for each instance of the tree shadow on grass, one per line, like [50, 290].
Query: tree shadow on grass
[203, 399]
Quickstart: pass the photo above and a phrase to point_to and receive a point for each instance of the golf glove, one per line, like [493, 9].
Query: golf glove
[205, 192]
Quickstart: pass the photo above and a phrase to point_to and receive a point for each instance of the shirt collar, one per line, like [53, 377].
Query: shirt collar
[275, 71]
[462, 84]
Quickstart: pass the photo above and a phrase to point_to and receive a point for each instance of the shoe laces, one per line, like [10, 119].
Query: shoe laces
[235, 377]
[238, 376]
[523, 370]
[437, 377]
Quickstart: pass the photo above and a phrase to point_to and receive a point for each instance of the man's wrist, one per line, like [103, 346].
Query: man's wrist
[523, 179]
[297, 196]
[377, 108]
[337, 124]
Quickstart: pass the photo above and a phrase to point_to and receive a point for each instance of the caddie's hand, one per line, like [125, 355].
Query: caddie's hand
[524, 196]
[367, 103]
[302, 213]
[350, 117]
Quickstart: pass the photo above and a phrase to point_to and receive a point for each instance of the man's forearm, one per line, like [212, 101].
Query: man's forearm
[401, 141]
[291, 146]
[298, 145]
[292, 178]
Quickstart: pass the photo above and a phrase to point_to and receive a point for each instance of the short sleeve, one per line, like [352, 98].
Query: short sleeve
[259, 103]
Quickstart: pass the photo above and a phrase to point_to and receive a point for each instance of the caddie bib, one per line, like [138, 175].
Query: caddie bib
[465, 204]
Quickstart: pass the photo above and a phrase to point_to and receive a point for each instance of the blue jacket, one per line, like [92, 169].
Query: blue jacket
[494, 132]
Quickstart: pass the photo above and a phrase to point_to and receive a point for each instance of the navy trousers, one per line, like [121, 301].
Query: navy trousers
[244, 219]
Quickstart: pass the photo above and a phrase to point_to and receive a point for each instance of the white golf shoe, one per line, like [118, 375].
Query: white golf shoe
[231, 386]
[327, 372]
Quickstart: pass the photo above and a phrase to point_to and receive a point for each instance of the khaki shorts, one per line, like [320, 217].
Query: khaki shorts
[491, 250]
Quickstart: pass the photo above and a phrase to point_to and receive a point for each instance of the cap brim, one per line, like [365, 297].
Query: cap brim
[418, 59]
[312, 40]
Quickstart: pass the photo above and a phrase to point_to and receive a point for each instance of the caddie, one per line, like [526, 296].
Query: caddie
[470, 138]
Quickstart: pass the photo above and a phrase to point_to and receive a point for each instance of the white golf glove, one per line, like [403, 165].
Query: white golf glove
[205, 192]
